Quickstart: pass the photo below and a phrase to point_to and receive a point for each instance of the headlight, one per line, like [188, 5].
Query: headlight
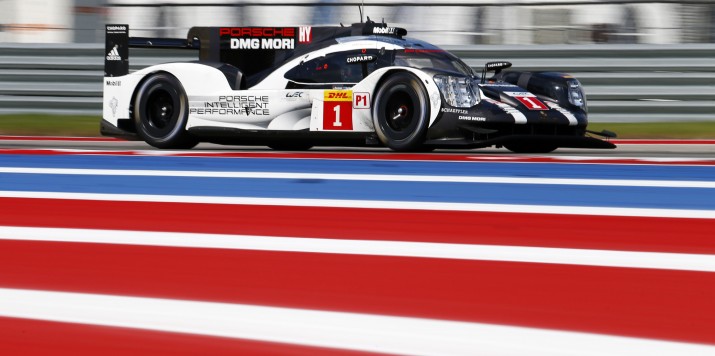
[576, 96]
[461, 92]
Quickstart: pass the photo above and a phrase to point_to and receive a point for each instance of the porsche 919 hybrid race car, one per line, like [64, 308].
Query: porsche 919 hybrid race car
[366, 84]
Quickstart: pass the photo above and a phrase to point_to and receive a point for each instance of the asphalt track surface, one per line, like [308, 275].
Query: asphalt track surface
[110, 247]
[626, 148]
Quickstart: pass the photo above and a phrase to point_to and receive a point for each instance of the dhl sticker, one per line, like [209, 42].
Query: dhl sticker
[338, 95]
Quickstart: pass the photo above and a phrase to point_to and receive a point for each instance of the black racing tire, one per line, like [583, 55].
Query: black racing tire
[161, 109]
[531, 147]
[401, 112]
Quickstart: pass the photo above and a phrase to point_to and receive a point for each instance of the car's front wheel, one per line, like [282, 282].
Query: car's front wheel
[401, 112]
[161, 112]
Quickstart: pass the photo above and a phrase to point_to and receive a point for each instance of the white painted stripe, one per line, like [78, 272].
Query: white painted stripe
[375, 155]
[364, 332]
[624, 160]
[570, 256]
[567, 114]
[518, 116]
[364, 177]
[374, 204]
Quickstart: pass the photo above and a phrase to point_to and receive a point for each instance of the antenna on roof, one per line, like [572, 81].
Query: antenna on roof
[361, 7]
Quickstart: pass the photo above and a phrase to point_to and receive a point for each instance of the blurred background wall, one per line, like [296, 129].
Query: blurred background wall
[638, 60]
[442, 22]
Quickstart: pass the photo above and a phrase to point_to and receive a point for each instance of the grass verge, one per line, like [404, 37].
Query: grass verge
[49, 125]
[88, 126]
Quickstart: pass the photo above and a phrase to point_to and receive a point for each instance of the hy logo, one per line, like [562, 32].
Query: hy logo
[113, 55]
[305, 34]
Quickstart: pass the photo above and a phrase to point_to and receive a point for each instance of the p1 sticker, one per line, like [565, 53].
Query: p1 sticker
[528, 99]
[337, 110]
[361, 100]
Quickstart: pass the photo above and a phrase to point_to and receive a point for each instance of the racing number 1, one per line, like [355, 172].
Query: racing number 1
[531, 102]
[528, 99]
[337, 122]
[337, 110]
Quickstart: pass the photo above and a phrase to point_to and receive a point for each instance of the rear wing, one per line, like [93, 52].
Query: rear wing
[253, 49]
[117, 43]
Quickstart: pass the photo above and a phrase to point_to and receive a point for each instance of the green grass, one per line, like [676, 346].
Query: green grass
[88, 126]
[49, 125]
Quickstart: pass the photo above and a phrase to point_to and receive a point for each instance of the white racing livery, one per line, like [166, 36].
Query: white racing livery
[297, 87]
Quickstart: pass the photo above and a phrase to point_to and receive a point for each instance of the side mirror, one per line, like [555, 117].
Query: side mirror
[497, 67]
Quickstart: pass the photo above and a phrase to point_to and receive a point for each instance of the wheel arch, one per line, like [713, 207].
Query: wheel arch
[197, 78]
[406, 90]
[379, 76]
[165, 129]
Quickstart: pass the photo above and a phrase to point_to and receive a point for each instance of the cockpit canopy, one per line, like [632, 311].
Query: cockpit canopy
[352, 65]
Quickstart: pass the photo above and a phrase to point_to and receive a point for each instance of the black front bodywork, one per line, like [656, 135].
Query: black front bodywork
[500, 118]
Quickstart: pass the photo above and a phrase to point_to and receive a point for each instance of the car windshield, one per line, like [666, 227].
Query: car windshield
[418, 54]
[432, 58]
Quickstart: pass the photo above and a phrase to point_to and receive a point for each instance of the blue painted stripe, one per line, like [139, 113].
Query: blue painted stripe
[487, 169]
[537, 194]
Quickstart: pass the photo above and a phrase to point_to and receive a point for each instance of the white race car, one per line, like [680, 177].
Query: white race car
[297, 87]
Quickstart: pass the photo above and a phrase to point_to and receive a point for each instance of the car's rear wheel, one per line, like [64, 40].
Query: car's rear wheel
[161, 112]
[401, 112]
[530, 147]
